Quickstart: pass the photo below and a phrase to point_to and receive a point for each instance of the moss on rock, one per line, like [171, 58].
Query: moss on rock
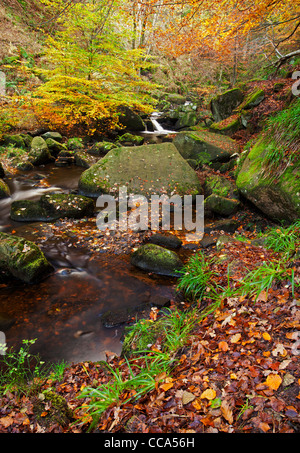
[145, 170]
[22, 259]
[204, 146]
[278, 196]
[4, 189]
[51, 207]
[157, 259]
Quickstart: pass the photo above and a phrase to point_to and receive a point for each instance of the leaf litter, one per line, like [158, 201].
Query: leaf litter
[238, 372]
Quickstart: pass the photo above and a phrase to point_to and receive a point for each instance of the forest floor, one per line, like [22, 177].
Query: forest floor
[237, 372]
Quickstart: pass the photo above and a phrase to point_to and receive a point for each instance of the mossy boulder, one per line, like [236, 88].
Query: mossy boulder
[228, 126]
[222, 197]
[85, 160]
[51, 409]
[39, 152]
[22, 259]
[187, 119]
[4, 189]
[102, 148]
[56, 136]
[205, 147]
[16, 140]
[54, 146]
[221, 186]
[130, 140]
[75, 143]
[277, 194]
[145, 170]
[157, 259]
[253, 99]
[175, 98]
[223, 105]
[51, 207]
[130, 120]
[222, 206]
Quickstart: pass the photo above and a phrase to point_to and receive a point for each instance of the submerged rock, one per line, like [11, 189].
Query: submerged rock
[154, 258]
[51, 207]
[22, 259]
[166, 240]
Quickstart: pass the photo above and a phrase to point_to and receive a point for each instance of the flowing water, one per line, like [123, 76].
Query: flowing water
[63, 311]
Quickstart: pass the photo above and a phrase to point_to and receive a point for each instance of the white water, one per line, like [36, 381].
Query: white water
[158, 129]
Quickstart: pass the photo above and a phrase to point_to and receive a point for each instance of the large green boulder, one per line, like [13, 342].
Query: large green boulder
[39, 153]
[145, 170]
[205, 147]
[22, 259]
[51, 207]
[157, 259]
[277, 194]
[4, 189]
[223, 105]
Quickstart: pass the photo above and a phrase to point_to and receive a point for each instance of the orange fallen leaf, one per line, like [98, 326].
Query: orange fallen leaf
[273, 381]
[223, 345]
[6, 421]
[209, 394]
[264, 426]
[266, 336]
[235, 338]
[197, 405]
[166, 386]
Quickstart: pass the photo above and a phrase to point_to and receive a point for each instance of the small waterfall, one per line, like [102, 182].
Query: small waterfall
[158, 129]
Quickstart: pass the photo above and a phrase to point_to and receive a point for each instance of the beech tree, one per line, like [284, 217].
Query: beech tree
[89, 72]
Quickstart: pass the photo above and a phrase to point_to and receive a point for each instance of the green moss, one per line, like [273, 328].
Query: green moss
[145, 170]
[21, 258]
[51, 408]
[4, 190]
[253, 99]
[157, 259]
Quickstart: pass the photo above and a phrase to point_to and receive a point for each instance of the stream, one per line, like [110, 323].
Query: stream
[63, 311]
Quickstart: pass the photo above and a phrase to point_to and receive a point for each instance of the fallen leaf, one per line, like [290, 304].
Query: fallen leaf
[197, 405]
[187, 397]
[166, 386]
[227, 412]
[223, 346]
[6, 421]
[273, 381]
[209, 394]
[266, 336]
[264, 426]
[280, 349]
[235, 338]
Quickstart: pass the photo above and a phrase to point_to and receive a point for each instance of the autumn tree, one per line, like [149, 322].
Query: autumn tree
[90, 71]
